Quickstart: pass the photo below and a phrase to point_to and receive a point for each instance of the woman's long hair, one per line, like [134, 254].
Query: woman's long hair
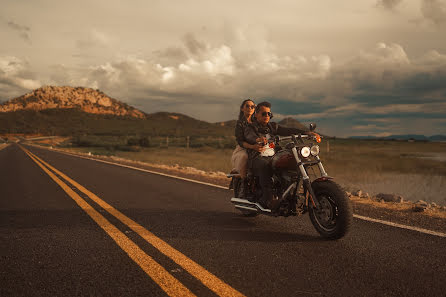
[241, 115]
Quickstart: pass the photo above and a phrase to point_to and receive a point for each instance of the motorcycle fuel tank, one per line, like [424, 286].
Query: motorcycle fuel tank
[284, 160]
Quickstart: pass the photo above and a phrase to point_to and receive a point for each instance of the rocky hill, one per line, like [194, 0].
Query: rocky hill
[85, 99]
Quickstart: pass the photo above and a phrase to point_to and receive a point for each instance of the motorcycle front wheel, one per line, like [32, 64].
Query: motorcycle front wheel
[334, 217]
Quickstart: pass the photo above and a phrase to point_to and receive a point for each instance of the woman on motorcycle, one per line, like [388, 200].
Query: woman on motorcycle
[240, 156]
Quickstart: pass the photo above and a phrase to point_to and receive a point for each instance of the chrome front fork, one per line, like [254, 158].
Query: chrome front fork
[301, 167]
[321, 167]
[306, 178]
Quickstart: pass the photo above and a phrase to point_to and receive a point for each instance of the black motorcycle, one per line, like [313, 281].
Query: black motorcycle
[327, 204]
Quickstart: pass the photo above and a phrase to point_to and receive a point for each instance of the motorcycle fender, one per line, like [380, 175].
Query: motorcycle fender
[322, 178]
[310, 191]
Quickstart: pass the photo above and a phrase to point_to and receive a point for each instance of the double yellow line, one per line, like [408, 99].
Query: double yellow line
[155, 271]
[3, 145]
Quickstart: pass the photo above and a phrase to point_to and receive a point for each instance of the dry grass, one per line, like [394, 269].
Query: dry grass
[207, 159]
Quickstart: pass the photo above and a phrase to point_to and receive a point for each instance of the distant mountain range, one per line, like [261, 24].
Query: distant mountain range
[78, 111]
[405, 137]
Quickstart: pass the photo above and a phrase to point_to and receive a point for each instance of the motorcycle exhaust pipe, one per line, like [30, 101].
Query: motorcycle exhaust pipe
[245, 204]
[246, 207]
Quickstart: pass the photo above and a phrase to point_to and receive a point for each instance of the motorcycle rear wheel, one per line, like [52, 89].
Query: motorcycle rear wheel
[334, 218]
[236, 185]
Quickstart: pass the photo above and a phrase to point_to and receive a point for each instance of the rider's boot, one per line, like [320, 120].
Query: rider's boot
[265, 200]
[274, 203]
[243, 188]
[248, 195]
[269, 200]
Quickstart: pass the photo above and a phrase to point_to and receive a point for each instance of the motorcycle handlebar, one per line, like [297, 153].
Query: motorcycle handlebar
[281, 138]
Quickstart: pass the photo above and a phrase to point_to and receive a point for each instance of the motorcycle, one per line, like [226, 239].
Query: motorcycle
[329, 208]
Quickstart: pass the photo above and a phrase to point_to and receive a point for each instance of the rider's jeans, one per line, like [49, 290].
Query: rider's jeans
[262, 168]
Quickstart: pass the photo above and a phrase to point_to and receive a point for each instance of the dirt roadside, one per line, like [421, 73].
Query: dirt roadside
[431, 218]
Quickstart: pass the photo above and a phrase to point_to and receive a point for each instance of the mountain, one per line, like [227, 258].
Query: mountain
[80, 111]
[437, 138]
[85, 99]
[68, 122]
[228, 124]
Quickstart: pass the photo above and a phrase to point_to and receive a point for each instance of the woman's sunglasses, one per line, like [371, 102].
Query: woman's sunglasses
[250, 106]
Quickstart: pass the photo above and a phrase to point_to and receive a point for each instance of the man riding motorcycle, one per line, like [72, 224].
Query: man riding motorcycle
[259, 132]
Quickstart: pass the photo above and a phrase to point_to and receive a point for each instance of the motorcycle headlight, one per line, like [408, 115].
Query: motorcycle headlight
[314, 150]
[305, 152]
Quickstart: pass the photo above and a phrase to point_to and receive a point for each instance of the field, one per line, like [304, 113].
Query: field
[414, 170]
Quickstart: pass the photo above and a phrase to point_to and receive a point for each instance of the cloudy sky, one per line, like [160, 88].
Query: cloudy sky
[369, 67]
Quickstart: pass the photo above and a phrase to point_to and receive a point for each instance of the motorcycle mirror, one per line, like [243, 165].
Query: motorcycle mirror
[312, 126]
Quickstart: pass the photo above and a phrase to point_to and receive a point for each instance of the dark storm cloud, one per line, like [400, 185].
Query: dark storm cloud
[388, 4]
[171, 55]
[288, 107]
[434, 10]
[193, 45]
[419, 87]
[22, 30]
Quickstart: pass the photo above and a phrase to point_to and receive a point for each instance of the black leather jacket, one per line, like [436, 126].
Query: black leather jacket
[256, 130]
[240, 128]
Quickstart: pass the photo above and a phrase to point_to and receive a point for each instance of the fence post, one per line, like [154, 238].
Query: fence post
[187, 142]
[328, 146]
[167, 141]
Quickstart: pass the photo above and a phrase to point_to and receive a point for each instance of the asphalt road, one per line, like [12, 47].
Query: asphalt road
[196, 243]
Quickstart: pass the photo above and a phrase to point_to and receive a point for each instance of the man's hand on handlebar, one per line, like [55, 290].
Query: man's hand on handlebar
[258, 147]
[260, 144]
[262, 140]
[316, 136]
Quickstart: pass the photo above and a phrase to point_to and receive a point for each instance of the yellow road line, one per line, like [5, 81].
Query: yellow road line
[4, 145]
[154, 270]
[207, 278]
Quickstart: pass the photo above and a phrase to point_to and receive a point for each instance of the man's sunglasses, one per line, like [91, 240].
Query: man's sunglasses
[267, 113]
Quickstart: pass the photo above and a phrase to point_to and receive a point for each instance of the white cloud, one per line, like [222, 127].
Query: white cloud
[14, 76]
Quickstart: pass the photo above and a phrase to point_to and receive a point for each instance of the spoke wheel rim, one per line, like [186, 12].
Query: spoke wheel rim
[326, 216]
